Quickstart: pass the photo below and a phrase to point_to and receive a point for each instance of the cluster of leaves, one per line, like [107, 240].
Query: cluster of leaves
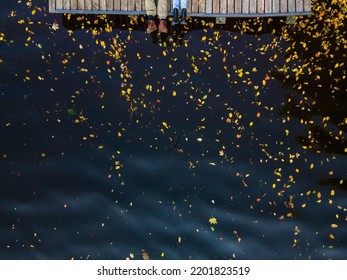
[316, 54]
[315, 68]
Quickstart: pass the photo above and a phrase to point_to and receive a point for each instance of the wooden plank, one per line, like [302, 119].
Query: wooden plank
[299, 6]
[291, 6]
[59, 4]
[238, 7]
[198, 7]
[252, 6]
[208, 6]
[95, 5]
[116, 5]
[230, 9]
[268, 6]
[215, 7]
[74, 5]
[131, 5]
[123, 5]
[80, 5]
[88, 5]
[138, 5]
[261, 6]
[307, 5]
[189, 9]
[223, 7]
[284, 6]
[195, 6]
[202, 6]
[51, 6]
[109, 5]
[66, 4]
[275, 6]
[102, 5]
[245, 6]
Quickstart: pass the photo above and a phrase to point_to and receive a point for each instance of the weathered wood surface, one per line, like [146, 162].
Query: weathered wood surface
[228, 8]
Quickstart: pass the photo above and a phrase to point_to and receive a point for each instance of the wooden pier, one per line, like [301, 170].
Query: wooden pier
[197, 8]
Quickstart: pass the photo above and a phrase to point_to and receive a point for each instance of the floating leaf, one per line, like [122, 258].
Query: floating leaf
[212, 220]
[165, 125]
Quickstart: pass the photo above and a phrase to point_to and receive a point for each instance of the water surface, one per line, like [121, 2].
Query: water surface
[107, 155]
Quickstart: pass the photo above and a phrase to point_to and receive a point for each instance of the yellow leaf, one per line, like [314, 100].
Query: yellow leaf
[334, 225]
[212, 220]
[165, 125]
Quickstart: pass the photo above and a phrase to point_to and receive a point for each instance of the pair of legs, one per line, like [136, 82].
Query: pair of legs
[180, 4]
[183, 5]
[153, 8]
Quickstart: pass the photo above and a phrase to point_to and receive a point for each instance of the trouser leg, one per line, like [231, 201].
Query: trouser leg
[176, 4]
[162, 9]
[184, 4]
[151, 7]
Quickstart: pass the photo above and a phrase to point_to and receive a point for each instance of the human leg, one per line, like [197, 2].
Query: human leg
[175, 17]
[184, 4]
[151, 8]
[176, 4]
[184, 17]
[162, 13]
[151, 11]
[162, 9]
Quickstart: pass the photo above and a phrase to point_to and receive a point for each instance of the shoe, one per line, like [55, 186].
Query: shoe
[184, 17]
[151, 26]
[163, 26]
[175, 17]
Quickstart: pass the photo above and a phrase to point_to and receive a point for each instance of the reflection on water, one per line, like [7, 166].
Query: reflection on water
[117, 146]
[319, 98]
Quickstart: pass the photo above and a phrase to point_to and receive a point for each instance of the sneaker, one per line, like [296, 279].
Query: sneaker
[151, 26]
[163, 26]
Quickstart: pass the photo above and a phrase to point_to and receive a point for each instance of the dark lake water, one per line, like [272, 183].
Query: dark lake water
[87, 172]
